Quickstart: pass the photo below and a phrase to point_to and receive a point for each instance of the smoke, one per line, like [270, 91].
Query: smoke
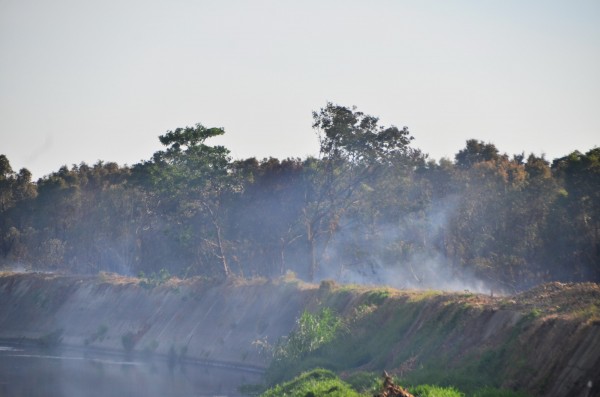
[15, 267]
[418, 272]
[409, 254]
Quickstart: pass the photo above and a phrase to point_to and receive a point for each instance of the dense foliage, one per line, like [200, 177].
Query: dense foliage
[370, 207]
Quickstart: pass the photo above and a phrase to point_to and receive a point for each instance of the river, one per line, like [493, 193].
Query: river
[31, 372]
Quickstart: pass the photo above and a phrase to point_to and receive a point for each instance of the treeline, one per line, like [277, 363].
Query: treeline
[369, 208]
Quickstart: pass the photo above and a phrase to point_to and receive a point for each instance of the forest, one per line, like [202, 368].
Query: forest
[370, 208]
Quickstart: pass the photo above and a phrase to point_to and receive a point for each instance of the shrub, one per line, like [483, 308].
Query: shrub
[312, 331]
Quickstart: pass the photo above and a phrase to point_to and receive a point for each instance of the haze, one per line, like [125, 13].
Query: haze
[88, 81]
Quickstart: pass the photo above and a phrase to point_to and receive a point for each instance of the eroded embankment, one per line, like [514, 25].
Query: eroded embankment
[195, 319]
[546, 341]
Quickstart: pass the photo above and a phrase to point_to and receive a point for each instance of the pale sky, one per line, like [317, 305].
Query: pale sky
[101, 80]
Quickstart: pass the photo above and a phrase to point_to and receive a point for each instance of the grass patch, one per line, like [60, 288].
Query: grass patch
[590, 313]
[365, 382]
[377, 297]
[321, 382]
[492, 392]
[534, 313]
[434, 391]
[418, 296]
[318, 382]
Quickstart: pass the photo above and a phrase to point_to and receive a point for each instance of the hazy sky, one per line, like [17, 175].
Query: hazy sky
[87, 80]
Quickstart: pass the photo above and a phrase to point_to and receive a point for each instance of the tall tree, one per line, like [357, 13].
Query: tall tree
[192, 180]
[355, 152]
[580, 221]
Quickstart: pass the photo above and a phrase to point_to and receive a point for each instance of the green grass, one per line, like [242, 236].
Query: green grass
[377, 296]
[438, 391]
[321, 382]
[435, 391]
[492, 392]
[418, 296]
[365, 382]
[316, 383]
[590, 312]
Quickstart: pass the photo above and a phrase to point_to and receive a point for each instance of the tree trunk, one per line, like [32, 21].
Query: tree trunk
[313, 259]
[222, 255]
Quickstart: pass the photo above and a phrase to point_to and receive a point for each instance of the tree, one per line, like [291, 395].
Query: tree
[349, 135]
[6, 184]
[192, 180]
[476, 152]
[579, 213]
[488, 234]
[355, 152]
[14, 187]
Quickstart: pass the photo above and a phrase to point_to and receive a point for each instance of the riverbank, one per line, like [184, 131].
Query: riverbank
[196, 319]
[545, 341]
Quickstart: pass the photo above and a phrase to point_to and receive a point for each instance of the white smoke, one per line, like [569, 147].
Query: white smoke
[392, 260]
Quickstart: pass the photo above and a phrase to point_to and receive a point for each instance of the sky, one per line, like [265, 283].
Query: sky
[82, 81]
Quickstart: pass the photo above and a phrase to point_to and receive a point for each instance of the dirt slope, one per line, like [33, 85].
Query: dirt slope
[546, 341]
[197, 318]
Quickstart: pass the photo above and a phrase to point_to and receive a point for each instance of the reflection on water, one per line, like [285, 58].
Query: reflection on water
[40, 373]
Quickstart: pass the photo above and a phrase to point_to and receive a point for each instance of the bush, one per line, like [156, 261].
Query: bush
[312, 331]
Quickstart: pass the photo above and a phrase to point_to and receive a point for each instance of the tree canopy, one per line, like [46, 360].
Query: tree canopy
[371, 207]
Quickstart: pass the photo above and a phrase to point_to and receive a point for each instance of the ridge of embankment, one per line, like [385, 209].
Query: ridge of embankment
[545, 341]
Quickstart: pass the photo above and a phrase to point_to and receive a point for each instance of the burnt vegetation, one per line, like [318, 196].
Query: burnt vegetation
[369, 207]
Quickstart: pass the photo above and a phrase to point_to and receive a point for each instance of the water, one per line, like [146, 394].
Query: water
[30, 372]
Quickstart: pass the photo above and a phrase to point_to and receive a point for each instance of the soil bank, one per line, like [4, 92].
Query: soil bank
[545, 341]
